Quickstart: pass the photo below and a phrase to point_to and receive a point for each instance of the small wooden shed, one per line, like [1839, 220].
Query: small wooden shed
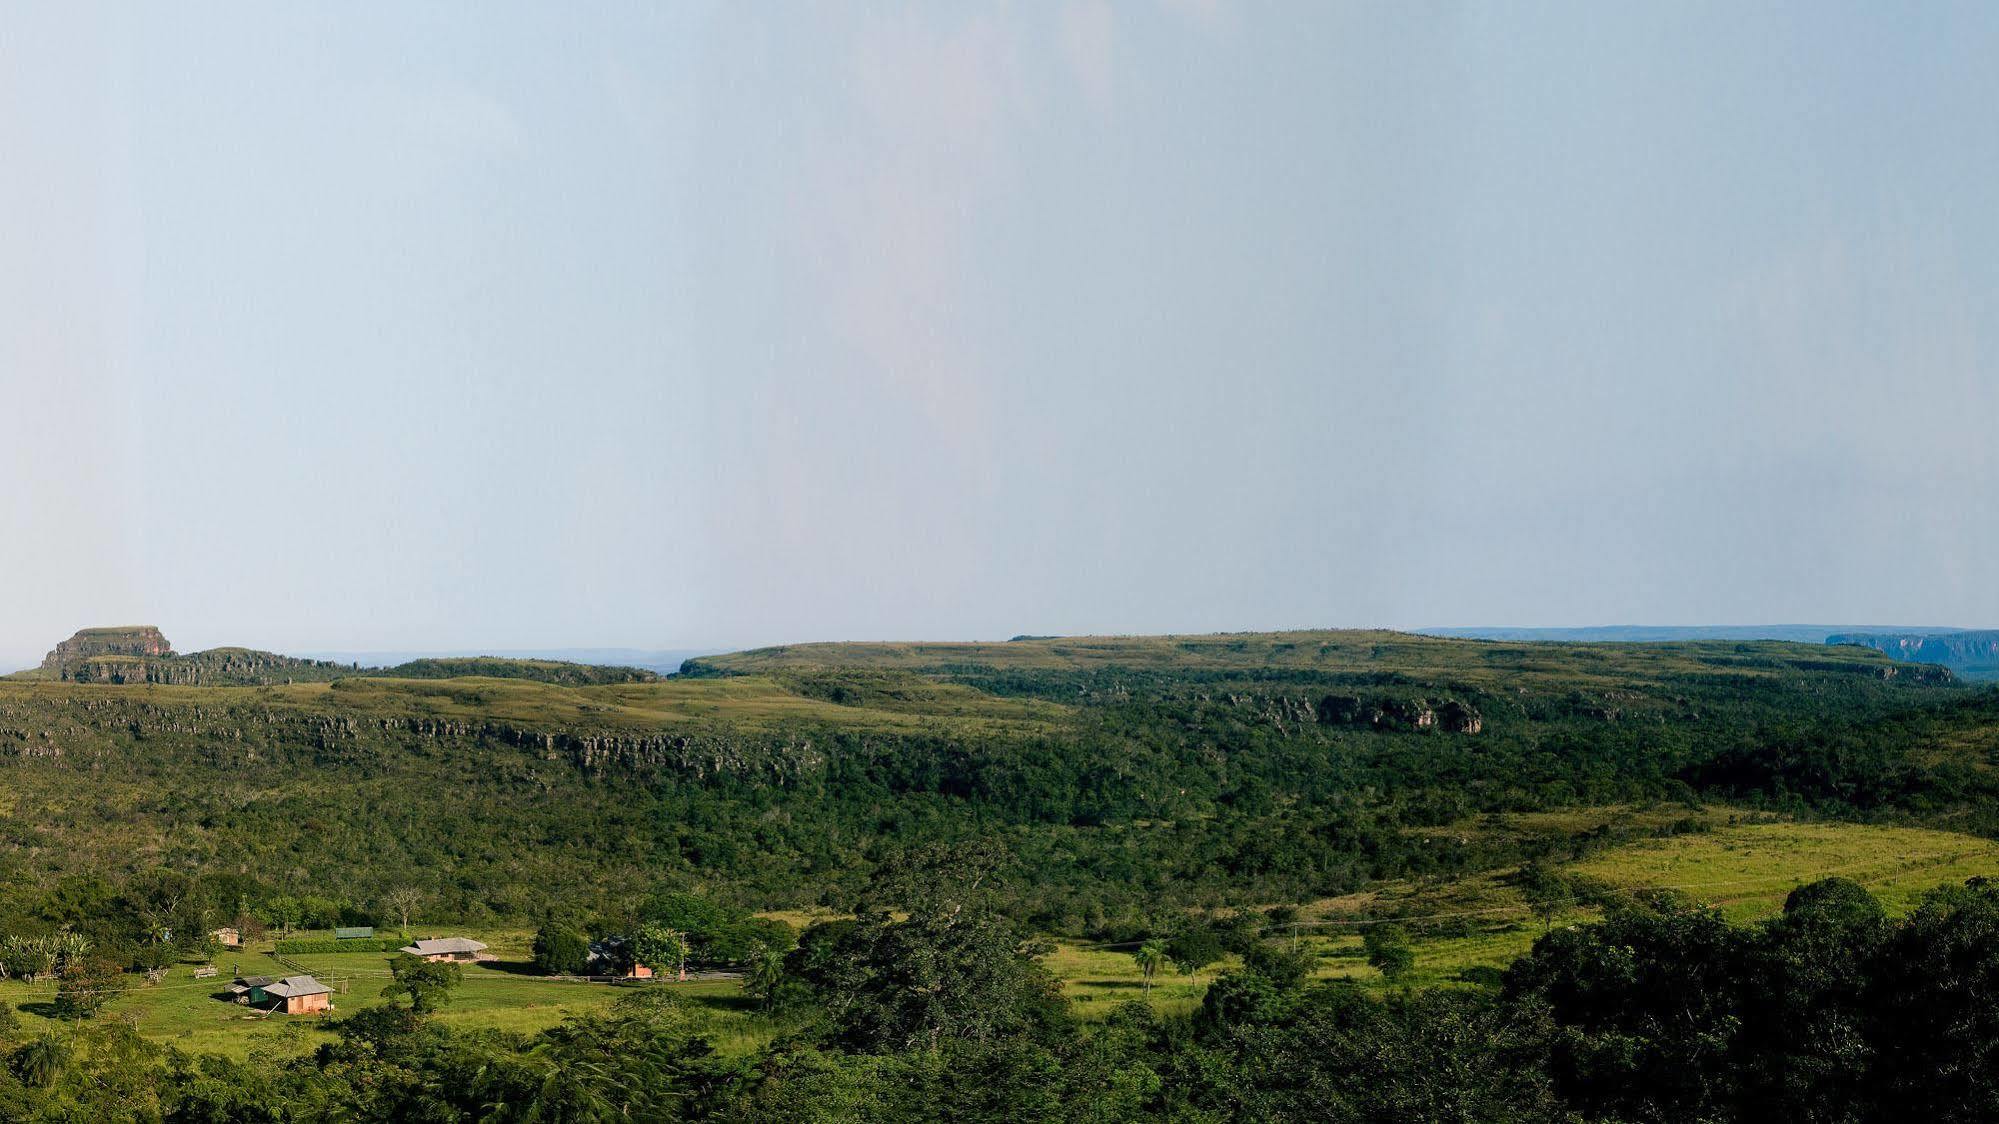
[300, 995]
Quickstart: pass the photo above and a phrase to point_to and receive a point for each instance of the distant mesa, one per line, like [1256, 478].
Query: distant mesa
[109, 655]
[138, 641]
[140, 654]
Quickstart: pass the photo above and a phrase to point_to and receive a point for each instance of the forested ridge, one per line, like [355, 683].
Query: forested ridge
[1108, 789]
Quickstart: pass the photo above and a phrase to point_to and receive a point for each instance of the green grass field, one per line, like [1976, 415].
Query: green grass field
[503, 995]
[1744, 869]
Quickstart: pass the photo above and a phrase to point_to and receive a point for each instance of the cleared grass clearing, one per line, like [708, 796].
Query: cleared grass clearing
[195, 1015]
[1744, 869]
[1747, 871]
[1097, 979]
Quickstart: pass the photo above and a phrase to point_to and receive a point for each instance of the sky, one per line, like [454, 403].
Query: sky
[676, 325]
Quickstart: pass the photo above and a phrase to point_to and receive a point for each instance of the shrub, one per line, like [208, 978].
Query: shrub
[560, 950]
[316, 945]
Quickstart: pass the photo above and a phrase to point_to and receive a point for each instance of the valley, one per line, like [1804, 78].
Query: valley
[1063, 843]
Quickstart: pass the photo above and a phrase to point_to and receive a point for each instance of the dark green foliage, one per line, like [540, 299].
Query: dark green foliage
[953, 971]
[560, 950]
[1935, 998]
[84, 985]
[1649, 1010]
[716, 932]
[639, 1062]
[421, 986]
[39, 1062]
[1547, 893]
[1388, 950]
[493, 667]
[1194, 948]
[1282, 962]
[316, 946]
[1837, 903]
[1333, 1054]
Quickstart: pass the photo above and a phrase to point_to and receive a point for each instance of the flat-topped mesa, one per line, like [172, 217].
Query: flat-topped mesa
[143, 641]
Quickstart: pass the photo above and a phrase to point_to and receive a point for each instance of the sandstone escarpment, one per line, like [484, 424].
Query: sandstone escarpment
[141, 641]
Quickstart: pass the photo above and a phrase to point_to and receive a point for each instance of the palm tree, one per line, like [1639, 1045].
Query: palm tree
[765, 975]
[40, 1061]
[1151, 957]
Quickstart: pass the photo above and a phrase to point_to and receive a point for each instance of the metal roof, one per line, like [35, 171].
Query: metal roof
[437, 946]
[292, 987]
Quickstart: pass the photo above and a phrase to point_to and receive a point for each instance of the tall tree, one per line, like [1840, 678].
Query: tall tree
[661, 948]
[559, 950]
[403, 901]
[1151, 957]
[84, 985]
[425, 984]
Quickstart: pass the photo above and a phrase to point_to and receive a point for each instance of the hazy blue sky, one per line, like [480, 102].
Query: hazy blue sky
[341, 326]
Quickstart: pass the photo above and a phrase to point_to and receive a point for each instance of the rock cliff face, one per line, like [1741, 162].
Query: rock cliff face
[142, 641]
[1974, 655]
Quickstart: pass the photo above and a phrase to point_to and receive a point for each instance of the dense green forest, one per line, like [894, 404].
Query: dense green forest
[1110, 789]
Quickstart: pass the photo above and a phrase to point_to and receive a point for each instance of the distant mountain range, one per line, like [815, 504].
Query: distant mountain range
[1973, 654]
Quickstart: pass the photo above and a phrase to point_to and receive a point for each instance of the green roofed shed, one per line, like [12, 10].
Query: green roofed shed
[355, 933]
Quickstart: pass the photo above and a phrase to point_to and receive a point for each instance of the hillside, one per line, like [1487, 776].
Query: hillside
[1245, 767]
[1007, 825]
[1320, 654]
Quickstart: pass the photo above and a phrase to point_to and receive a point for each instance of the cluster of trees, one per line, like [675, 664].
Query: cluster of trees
[938, 1011]
[160, 916]
[670, 931]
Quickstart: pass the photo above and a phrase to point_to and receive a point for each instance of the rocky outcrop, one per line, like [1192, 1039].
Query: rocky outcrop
[1972, 654]
[142, 641]
[1451, 715]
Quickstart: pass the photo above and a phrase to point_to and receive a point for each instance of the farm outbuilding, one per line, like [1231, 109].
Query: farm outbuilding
[250, 989]
[300, 995]
[459, 949]
[291, 995]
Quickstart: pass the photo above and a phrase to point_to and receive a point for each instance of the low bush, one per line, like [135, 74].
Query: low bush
[312, 945]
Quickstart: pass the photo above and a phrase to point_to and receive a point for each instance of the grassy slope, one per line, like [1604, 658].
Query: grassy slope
[1745, 869]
